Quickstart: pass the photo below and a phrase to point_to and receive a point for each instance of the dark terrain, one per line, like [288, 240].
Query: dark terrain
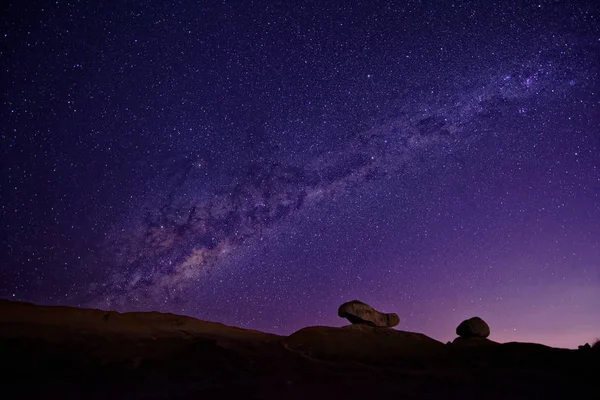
[71, 353]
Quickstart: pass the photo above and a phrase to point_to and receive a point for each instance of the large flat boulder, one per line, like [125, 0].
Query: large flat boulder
[358, 312]
[363, 342]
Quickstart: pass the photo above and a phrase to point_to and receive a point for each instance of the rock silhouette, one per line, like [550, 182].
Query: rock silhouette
[70, 353]
[462, 341]
[473, 328]
[358, 312]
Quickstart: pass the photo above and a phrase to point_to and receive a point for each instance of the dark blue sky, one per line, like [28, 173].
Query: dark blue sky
[260, 163]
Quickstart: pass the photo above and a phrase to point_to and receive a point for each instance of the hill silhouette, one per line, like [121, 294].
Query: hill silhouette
[72, 353]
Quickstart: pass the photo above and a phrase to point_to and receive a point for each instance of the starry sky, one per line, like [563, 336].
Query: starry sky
[258, 163]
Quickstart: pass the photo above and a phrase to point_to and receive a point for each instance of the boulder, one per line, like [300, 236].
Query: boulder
[473, 327]
[358, 312]
[360, 341]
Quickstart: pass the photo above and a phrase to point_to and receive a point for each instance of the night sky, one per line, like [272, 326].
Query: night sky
[260, 163]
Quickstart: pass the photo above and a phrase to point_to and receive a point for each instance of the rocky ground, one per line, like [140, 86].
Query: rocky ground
[70, 353]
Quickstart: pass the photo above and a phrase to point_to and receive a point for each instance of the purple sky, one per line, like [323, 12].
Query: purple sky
[260, 163]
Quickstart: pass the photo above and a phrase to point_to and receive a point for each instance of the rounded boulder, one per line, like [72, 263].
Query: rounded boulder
[473, 327]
